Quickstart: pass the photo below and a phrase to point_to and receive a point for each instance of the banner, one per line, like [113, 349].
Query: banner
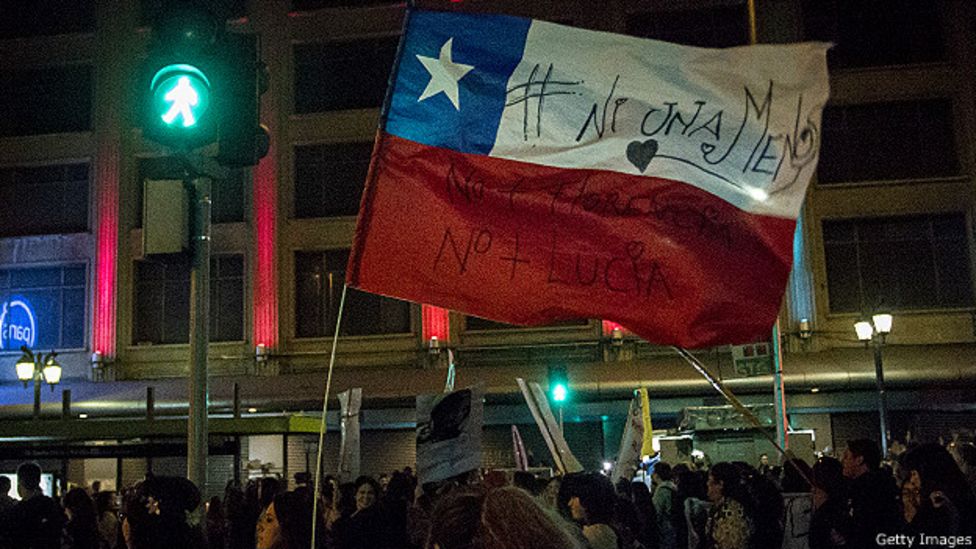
[350, 402]
[538, 404]
[518, 448]
[449, 433]
[530, 172]
[631, 443]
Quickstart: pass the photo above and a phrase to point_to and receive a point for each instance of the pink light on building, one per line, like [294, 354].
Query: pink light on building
[436, 323]
[609, 326]
[107, 248]
[265, 249]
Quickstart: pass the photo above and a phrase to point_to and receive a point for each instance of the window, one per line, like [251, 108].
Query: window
[55, 297]
[162, 299]
[876, 32]
[715, 27]
[319, 277]
[334, 76]
[329, 179]
[227, 194]
[43, 199]
[477, 323]
[888, 141]
[47, 100]
[46, 18]
[901, 263]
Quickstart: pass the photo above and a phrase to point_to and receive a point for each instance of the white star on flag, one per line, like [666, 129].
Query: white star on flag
[444, 75]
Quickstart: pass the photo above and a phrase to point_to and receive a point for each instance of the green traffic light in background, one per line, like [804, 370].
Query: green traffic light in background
[560, 392]
[181, 95]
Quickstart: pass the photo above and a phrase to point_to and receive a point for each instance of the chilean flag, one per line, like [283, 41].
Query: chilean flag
[529, 172]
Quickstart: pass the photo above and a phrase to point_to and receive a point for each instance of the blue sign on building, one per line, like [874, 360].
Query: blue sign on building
[18, 324]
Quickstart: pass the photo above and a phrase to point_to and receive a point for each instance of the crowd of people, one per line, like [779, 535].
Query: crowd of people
[925, 495]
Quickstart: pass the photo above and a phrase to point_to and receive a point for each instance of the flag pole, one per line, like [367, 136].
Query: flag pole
[779, 395]
[322, 427]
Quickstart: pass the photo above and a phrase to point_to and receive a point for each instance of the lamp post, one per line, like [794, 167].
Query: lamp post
[38, 366]
[873, 333]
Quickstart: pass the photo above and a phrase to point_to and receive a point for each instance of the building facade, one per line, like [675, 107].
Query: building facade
[888, 223]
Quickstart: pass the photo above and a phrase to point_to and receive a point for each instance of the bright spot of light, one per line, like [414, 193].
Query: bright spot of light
[252, 410]
[697, 454]
[757, 194]
[82, 416]
[607, 466]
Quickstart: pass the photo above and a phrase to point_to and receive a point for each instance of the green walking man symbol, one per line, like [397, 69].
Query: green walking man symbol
[183, 97]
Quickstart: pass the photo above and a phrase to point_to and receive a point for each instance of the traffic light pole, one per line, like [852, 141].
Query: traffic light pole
[197, 429]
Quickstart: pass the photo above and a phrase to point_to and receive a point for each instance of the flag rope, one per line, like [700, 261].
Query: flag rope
[322, 427]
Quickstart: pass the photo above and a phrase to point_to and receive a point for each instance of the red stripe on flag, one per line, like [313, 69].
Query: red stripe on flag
[529, 244]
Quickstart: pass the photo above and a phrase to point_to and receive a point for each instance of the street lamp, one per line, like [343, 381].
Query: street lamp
[874, 332]
[38, 366]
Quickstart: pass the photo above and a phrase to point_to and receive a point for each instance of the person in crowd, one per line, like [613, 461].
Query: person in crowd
[965, 455]
[286, 523]
[216, 524]
[81, 527]
[937, 500]
[96, 487]
[646, 532]
[37, 521]
[693, 493]
[764, 467]
[591, 502]
[873, 494]
[768, 508]
[396, 502]
[504, 518]
[666, 505]
[108, 520]
[240, 529]
[730, 523]
[6, 502]
[366, 527]
[830, 523]
[267, 489]
[797, 501]
[155, 514]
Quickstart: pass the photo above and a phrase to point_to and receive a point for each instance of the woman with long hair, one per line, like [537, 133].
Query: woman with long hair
[287, 522]
[937, 499]
[81, 529]
[155, 514]
[730, 524]
[474, 517]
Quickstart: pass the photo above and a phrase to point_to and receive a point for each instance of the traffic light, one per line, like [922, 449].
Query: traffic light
[558, 384]
[243, 141]
[201, 85]
[180, 84]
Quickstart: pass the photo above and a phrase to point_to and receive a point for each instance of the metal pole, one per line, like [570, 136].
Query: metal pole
[882, 400]
[66, 404]
[779, 395]
[197, 432]
[37, 393]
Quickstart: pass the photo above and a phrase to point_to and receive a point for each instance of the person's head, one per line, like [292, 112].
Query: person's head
[367, 490]
[155, 514]
[662, 472]
[286, 523]
[861, 456]
[96, 486]
[930, 468]
[591, 498]
[725, 480]
[473, 517]
[28, 478]
[764, 460]
[828, 478]
[78, 506]
[4, 485]
[693, 484]
[795, 475]
[104, 502]
[383, 480]
[550, 494]
[267, 489]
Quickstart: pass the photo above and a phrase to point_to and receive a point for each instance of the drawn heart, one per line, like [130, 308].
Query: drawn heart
[641, 154]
